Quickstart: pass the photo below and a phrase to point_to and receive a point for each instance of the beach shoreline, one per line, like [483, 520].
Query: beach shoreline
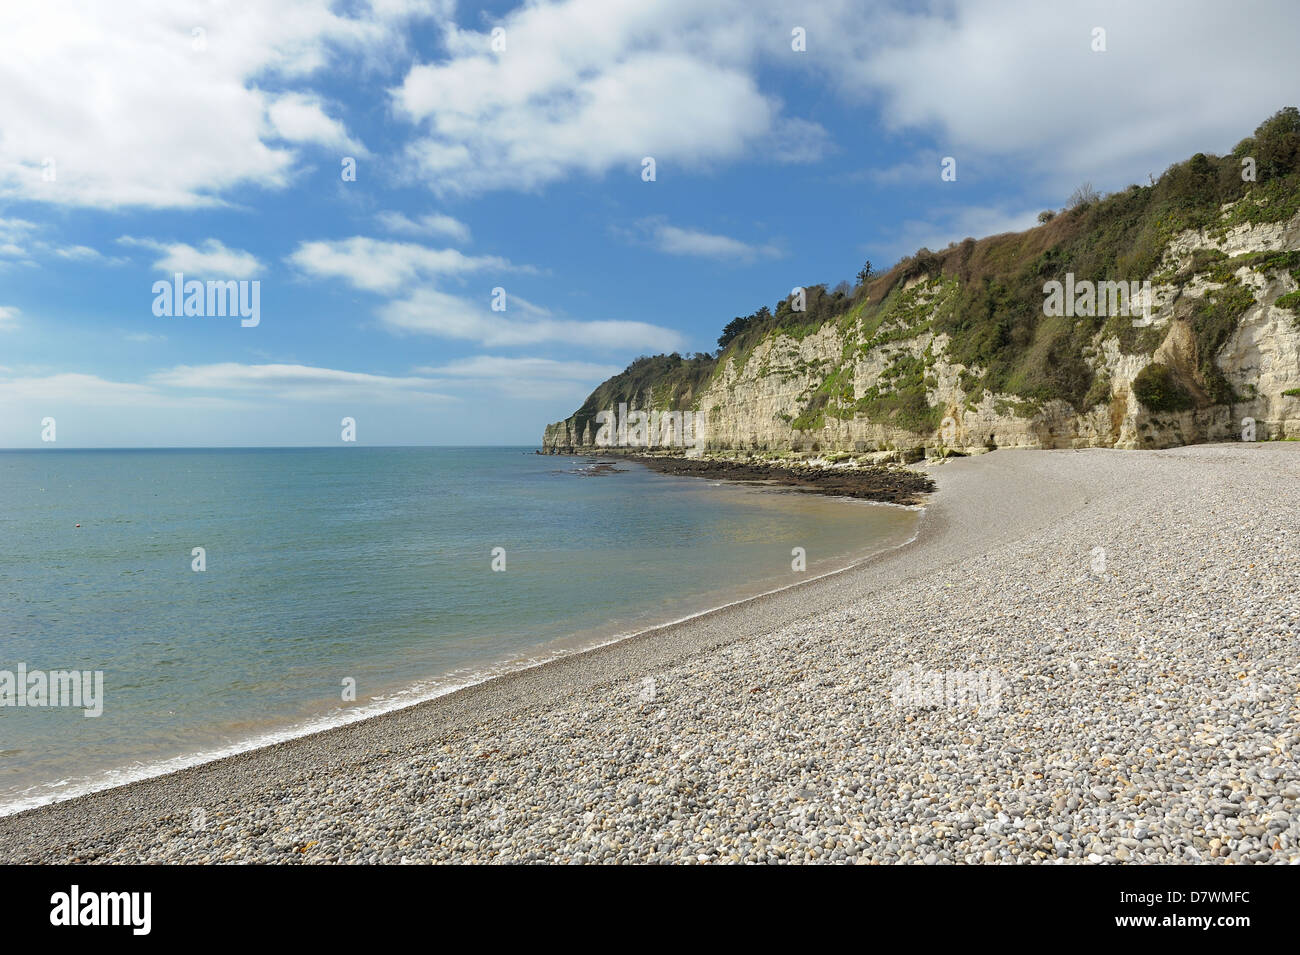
[404, 693]
[323, 797]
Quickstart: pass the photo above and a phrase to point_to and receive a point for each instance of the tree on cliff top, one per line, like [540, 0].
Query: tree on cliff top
[738, 325]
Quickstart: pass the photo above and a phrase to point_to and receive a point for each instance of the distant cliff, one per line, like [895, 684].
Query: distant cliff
[974, 346]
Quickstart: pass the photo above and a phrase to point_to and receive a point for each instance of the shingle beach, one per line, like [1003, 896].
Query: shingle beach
[1085, 656]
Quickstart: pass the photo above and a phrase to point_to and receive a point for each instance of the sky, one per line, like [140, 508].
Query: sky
[388, 171]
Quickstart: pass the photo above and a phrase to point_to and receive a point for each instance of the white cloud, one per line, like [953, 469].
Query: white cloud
[19, 243]
[536, 379]
[1019, 78]
[922, 168]
[431, 312]
[131, 113]
[490, 366]
[227, 385]
[8, 317]
[404, 271]
[78, 253]
[14, 234]
[589, 86]
[212, 257]
[432, 224]
[675, 240]
[794, 140]
[11, 228]
[134, 109]
[298, 382]
[300, 118]
[380, 266]
[78, 389]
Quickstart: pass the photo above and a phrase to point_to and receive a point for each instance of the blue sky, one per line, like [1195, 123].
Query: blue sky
[142, 138]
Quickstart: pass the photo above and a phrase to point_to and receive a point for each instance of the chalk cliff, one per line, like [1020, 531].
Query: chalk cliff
[955, 349]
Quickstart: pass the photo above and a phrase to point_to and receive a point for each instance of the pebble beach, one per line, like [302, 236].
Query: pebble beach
[1086, 656]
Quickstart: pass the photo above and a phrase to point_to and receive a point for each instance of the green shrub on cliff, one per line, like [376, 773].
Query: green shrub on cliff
[1099, 393]
[1157, 388]
[898, 397]
[1214, 318]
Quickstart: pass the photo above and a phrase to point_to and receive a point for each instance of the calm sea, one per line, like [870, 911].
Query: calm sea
[330, 568]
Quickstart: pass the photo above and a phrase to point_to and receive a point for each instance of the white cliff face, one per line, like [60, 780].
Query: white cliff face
[769, 399]
[1262, 359]
[751, 406]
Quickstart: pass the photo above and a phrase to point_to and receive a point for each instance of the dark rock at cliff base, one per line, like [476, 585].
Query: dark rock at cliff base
[892, 486]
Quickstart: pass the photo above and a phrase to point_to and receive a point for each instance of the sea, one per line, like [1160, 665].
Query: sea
[215, 600]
